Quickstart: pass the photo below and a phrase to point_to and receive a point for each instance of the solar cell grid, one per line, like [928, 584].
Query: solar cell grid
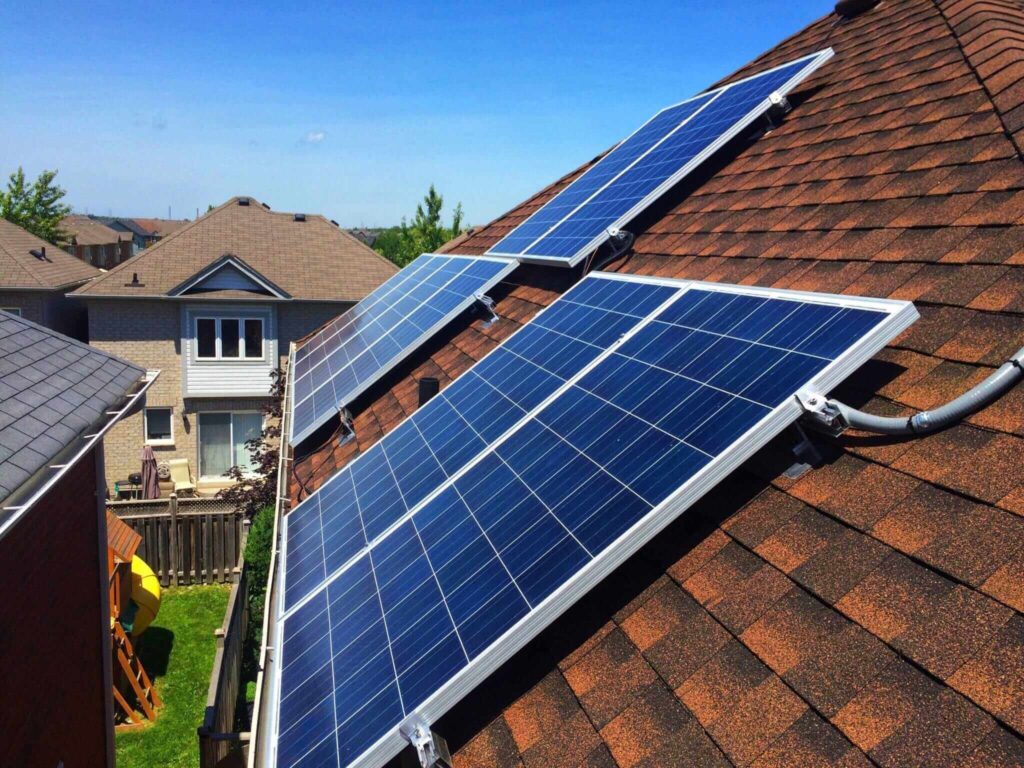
[331, 369]
[363, 500]
[612, 456]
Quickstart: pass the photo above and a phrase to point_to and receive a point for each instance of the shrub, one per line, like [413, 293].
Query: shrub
[257, 564]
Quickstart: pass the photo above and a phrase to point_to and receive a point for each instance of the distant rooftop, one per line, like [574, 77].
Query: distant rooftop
[29, 262]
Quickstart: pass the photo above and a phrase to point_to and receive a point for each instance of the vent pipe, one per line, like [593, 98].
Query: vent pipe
[429, 386]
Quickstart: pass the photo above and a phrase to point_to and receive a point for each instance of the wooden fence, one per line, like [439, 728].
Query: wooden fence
[186, 541]
[218, 738]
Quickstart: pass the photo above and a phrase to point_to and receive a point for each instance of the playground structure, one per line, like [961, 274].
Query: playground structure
[134, 603]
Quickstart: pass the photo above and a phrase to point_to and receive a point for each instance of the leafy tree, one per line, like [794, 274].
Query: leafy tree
[36, 207]
[425, 234]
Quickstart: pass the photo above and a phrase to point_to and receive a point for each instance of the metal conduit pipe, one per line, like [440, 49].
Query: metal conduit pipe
[1005, 378]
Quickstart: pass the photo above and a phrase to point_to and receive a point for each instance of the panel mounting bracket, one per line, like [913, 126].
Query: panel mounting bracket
[779, 106]
[486, 303]
[819, 413]
[431, 749]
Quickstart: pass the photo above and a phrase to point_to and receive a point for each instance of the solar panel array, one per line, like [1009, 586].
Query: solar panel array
[643, 166]
[500, 546]
[358, 347]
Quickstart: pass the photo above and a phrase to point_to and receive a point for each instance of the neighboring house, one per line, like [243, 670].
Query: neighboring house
[870, 613]
[144, 232]
[57, 399]
[368, 236]
[215, 306]
[95, 243]
[35, 276]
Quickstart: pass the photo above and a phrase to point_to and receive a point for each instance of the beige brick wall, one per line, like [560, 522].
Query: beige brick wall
[148, 333]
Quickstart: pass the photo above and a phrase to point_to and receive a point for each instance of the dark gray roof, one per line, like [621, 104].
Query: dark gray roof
[52, 389]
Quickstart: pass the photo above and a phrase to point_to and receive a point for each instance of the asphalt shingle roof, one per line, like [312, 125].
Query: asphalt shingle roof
[84, 230]
[21, 268]
[52, 388]
[872, 611]
[311, 259]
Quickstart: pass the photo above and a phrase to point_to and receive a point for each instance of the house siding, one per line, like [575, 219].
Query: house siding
[230, 378]
[149, 333]
[53, 712]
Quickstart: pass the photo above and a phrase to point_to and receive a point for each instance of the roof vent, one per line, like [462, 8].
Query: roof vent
[265, 206]
[135, 281]
[847, 9]
[243, 201]
[300, 217]
[39, 253]
[429, 386]
[335, 223]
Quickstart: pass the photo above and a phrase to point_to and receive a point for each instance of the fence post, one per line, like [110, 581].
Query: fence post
[173, 539]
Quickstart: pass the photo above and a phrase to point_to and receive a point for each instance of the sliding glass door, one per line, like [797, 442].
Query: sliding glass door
[222, 438]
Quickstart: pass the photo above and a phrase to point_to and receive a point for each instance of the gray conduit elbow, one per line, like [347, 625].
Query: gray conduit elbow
[1001, 381]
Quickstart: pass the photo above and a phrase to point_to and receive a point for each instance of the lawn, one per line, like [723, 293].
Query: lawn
[177, 652]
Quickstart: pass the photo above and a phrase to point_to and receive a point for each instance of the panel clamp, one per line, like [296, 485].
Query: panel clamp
[431, 749]
[486, 303]
[820, 414]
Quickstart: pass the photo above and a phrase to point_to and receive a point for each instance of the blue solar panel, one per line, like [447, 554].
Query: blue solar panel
[370, 494]
[514, 537]
[351, 353]
[643, 166]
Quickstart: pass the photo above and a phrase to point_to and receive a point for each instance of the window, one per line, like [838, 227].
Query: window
[229, 338]
[159, 430]
[222, 438]
[13, 310]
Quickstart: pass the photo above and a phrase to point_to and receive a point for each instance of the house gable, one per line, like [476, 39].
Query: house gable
[229, 273]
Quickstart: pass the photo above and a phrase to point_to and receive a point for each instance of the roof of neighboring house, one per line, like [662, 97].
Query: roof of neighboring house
[311, 259]
[160, 227]
[52, 389]
[872, 611]
[121, 538]
[27, 261]
[83, 230]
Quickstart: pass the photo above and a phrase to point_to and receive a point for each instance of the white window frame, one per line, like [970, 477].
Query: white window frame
[145, 425]
[218, 349]
[16, 311]
[199, 439]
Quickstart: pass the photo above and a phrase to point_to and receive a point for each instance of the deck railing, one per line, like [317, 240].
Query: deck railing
[186, 540]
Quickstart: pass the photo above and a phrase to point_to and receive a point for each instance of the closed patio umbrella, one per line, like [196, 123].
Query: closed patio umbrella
[150, 481]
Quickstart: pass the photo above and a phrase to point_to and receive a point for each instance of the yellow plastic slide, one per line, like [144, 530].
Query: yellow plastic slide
[145, 594]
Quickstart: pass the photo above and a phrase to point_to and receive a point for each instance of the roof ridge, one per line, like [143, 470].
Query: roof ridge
[962, 18]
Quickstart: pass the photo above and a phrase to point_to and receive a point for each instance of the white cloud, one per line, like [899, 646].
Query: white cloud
[315, 137]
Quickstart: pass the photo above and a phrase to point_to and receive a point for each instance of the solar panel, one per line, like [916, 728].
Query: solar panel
[367, 497]
[517, 535]
[646, 164]
[364, 343]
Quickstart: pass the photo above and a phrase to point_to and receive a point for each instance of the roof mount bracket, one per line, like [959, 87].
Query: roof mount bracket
[779, 106]
[805, 454]
[431, 751]
[486, 304]
[820, 414]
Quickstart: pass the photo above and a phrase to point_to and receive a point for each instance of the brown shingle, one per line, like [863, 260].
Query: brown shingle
[52, 268]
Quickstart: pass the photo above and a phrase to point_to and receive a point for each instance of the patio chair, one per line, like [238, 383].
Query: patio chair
[181, 476]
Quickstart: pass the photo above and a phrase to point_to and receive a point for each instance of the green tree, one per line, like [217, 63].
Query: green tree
[36, 207]
[425, 234]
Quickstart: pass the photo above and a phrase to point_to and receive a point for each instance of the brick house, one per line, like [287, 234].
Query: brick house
[214, 306]
[35, 276]
[95, 243]
[59, 397]
[870, 612]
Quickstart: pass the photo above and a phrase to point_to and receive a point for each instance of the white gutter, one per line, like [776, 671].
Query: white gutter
[16, 512]
[267, 651]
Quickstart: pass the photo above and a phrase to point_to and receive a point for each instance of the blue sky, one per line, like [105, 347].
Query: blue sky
[350, 110]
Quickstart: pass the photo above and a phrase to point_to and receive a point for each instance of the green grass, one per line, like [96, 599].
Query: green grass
[177, 652]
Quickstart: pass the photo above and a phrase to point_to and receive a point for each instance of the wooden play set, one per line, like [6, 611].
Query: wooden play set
[134, 602]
